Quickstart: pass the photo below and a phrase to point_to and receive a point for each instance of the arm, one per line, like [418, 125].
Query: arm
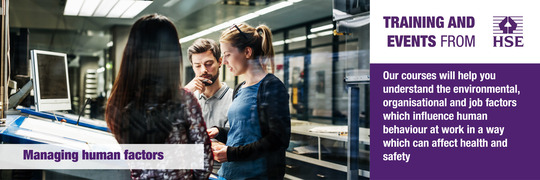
[197, 134]
[275, 127]
[222, 134]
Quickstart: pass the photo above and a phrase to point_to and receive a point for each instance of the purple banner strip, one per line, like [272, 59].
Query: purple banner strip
[518, 160]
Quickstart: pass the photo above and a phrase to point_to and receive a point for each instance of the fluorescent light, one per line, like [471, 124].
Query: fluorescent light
[300, 38]
[135, 9]
[325, 27]
[72, 7]
[273, 8]
[278, 43]
[195, 36]
[325, 33]
[89, 7]
[119, 8]
[244, 18]
[170, 3]
[221, 26]
[104, 8]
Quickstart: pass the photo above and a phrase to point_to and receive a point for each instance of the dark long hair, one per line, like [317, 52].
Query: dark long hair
[148, 83]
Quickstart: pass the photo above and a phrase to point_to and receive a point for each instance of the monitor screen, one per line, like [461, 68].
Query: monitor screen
[50, 78]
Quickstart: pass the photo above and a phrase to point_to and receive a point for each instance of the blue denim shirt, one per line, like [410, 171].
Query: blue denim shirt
[245, 129]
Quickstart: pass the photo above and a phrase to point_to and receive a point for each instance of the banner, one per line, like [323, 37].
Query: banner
[453, 90]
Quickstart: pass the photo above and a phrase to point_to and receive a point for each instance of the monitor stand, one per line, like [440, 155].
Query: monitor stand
[18, 97]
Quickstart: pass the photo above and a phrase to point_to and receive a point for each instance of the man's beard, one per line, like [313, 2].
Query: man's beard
[211, 78]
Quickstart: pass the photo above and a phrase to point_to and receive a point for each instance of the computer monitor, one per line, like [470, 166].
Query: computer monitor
[51, 83]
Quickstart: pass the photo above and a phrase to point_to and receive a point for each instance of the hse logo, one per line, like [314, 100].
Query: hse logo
[507, 31]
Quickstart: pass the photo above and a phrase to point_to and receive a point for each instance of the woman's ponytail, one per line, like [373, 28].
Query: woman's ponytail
[267, 57]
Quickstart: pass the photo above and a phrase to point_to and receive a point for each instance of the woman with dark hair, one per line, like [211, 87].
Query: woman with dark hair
[147, 103]
[259, 118]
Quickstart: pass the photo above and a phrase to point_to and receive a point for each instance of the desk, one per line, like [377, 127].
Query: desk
[27, 130]
[70, 118]
[303, 128]
[35, 130]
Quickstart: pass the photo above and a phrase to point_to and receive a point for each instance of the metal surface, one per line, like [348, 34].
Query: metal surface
[4, 61]
[352, 144]
[18, 97]
[357, 76]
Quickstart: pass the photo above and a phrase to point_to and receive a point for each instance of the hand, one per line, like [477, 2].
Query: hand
[212, 132]
[197, 84]
[216, 145]
[220, 153]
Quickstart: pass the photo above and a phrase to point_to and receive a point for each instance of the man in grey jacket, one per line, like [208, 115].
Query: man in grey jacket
[214, 96]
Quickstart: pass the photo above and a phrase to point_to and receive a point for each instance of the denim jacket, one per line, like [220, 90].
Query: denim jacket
[275, 124]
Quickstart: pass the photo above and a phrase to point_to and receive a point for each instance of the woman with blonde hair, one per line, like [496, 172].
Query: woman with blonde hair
[259, 115]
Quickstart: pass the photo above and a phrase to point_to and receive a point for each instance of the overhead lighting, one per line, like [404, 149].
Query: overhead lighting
[88, 8]
[72, 7]
[325, 33]
[221, 26]
[302, 38]
[105, 8]
[119, 9]
[274, 7]
[278, 43]
[170, 3]
[243, 18]
[311, 36]
[297, 39]
[320, 28]
[135, 9]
